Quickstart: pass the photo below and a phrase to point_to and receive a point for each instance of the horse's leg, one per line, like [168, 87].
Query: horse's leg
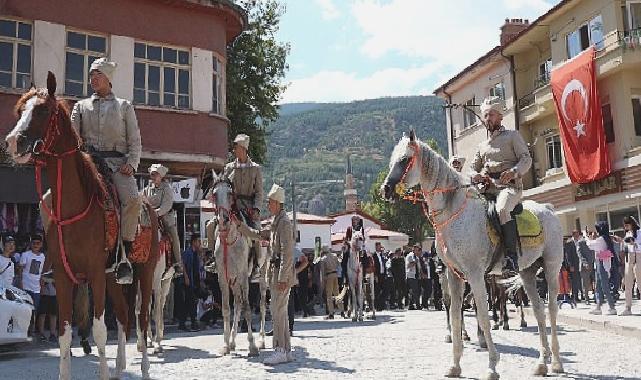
[373, 295]
[504, 315]
[528, 276]
[263, 310]
[361, 299]
[479, 331]
[447, 301]
[117, 296]
[99, 329]
[480, 295]
[64, 289]
[224, 288]
[353, 299]
[253, 350]
[553, 309]
[159, 309]
[521, 302]
[145, 281]
[238, 306]
[464, 334]
[455, 286]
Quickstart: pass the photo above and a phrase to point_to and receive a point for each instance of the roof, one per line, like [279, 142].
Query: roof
[236, 18]
[499, 48]
[359, 212]
[372, 233]
[305, 219]
[476, 63]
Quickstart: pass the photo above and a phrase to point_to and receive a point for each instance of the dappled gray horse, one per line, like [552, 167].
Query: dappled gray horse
[457, 210]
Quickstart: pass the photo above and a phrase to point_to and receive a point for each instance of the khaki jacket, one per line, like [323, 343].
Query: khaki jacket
[109, 124]
[504, 150]
[161, 199]
[248, 183]
[329, 263]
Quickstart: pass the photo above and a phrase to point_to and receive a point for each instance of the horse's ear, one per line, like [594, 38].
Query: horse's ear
[51, 84]
[32, 86]
[412, 135]
[214, 176]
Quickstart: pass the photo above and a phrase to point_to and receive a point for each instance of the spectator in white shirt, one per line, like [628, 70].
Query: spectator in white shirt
[603, 249]
[30, 268]
[7, 266]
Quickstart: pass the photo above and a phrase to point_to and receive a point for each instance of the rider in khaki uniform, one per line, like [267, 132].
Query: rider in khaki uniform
[502, 160]
[109, 130]
[247, 179]
[161, 197]
[329, 270]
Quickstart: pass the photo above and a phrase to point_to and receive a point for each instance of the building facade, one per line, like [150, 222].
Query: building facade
[171, 57]
[570, 27]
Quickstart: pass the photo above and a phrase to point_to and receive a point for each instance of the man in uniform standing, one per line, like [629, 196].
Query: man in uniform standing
[109, 130]
[501, 161]
[282, 274]
[329, 270]
[247, 179]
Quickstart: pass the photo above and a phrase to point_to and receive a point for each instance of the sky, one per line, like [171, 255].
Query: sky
[344, 50]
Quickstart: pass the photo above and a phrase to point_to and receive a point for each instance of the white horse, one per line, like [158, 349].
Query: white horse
[355, 274]
[231, 253]
[458, 214]
[160, 287]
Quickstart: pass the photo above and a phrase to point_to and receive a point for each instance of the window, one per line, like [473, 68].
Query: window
[544, 73]
[636, 113]
[608, 122]
[469, 118]
[82, 49]
[633, 14]
[586, 35]
[15, 54]
[498, 90]
[161, 76]
[553, 148]
[217, 101]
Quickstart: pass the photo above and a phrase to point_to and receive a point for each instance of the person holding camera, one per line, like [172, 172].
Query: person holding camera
[632, 250]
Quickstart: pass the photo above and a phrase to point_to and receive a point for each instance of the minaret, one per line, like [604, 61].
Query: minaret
[351, 199]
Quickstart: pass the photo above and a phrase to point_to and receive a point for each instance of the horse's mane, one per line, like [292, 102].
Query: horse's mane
[90, 178]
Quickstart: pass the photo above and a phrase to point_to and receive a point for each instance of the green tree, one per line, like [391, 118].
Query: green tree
[403, 216]
[256, 65]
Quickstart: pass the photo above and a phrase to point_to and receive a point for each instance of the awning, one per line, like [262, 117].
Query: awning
[18, 184]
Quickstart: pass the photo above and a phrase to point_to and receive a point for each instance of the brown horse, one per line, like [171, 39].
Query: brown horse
[76, 233]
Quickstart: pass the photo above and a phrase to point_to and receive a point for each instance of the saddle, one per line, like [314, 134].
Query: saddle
[528, 226]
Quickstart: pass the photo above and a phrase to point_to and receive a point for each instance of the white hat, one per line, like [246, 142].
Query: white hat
[105, 67]
[492, 103]
[457, 158]
[242, 140]
[277, 194]
[159, 168]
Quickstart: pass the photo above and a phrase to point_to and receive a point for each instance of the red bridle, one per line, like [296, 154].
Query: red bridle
[225, 232]
[44, 148]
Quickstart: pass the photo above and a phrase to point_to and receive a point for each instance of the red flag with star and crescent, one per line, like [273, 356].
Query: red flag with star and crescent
[578, 109]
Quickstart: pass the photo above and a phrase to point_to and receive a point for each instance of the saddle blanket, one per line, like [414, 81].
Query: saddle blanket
[528, 224]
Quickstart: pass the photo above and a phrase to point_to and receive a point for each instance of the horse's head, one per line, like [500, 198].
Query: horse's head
[35, 111]
[404, 167]
[221, 194]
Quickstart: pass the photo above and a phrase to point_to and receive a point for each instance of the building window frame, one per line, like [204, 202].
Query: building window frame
[20, 76]
[88, 55]
[608, 122]
[218, 86]
[553, 152]
[156, 62]
[469, 118]
[585, 36]
[630, 22]
[636, 114]
[498, 89]
[545, 68]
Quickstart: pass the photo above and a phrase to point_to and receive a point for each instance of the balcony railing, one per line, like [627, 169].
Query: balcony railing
[630, 39]
[530, 98]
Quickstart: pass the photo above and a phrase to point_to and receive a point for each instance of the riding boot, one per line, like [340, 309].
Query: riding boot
[124, 272]
[510, 241]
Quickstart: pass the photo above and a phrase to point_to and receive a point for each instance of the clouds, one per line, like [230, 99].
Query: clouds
[329, 11]
[403, 47]
[339, 86]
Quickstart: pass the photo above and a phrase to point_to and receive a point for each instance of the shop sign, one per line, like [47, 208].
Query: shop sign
[608, 185]
[185, 190]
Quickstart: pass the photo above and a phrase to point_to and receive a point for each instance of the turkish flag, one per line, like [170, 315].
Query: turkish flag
[578, 109]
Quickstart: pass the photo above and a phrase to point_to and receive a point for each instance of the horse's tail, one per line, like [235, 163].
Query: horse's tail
[81, 308]
[341, 296]
[511, 284]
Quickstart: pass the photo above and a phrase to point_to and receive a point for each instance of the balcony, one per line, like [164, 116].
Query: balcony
[536, 103]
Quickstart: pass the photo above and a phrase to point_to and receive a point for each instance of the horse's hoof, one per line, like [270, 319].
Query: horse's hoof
[360, 319]
[354, 319]
[523, 324]
[495, 327]
[541, 369]
[492, 375]
[448, 339]
[232, 346]
[466, 337]
[557, 367]
[224, 351]
[506, 327]
[158, 350]
[483, 344]
[453, 372]
[261, 344]
[253, 352]
[139, 346]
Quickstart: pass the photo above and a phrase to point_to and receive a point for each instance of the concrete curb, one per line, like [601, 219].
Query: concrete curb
[605, 326]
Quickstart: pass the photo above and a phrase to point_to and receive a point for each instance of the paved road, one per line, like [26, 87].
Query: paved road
[397, 345]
